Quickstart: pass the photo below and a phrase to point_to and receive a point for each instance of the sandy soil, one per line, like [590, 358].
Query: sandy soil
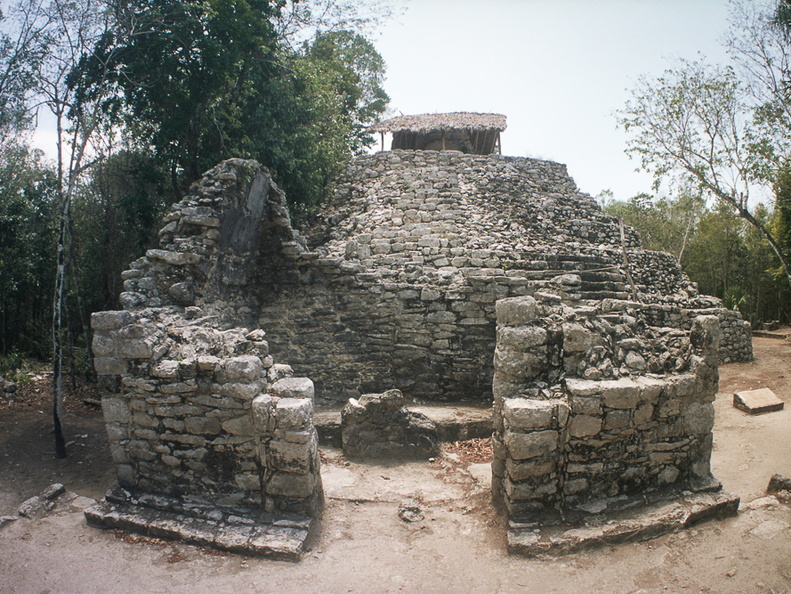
[363, 544]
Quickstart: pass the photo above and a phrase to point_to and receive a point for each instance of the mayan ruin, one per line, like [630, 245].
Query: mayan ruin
[435, 276]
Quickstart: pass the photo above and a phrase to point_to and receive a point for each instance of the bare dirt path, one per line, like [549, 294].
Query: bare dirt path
[364, 546]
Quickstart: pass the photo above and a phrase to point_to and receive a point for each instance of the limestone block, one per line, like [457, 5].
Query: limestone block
[285, 484]
[617, 419]
[668, 475]
[522, 446]
[102, 345]
[116, 432]
[527, 491]
[291, 457]
[132, 300]
[202, 425]
[173, 258]
[580, 387]
[650, 388]
[575, 486]
[293, 387]
[516, 311]
[242, 391]
[109, 366]
[519, 471]
[294, 413]
[427, 294]
[116, 410]
[118, 454]
[699, 418]
[242, 426]
[245, 368]
[521, 413]
[278, 371]
[621, 393]
[187, 387]
[643, 414]
[584, 426]
[263, 410]
[104, 321]
[705, 337]
[578, 339]
[166, 369]
[521, 366]
[585, 406]
[247, 481]
[208, 362]
[134, 349]
[521, 337]
[127, 477]
[182, 293]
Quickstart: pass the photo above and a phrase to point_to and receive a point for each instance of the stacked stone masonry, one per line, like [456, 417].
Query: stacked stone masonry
[594, 403]
[197, 407]
[393, 284]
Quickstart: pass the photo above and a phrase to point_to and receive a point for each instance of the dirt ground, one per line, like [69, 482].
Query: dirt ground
[364, 546]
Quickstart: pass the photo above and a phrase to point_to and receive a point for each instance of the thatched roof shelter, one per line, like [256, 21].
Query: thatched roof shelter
[475, 133]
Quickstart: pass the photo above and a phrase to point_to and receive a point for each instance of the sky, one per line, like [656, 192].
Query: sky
[558, 69]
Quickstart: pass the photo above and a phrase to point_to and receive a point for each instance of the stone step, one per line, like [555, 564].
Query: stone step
[641, 522]
[455, 422]
[243, 530]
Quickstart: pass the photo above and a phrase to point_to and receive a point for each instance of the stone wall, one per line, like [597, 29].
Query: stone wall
[196, 405]
[594, 403]
[394, 283]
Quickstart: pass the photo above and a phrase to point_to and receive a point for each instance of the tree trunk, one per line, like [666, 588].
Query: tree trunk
[57, 331]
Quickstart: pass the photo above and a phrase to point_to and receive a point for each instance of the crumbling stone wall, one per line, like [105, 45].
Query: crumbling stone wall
[594, 403]
[405, 266]
[196, 405]
[393, 284]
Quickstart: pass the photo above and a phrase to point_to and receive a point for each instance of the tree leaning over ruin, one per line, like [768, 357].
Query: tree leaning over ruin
[726, 129]
[695, 120]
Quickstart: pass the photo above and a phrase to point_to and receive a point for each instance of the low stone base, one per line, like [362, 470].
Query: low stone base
[756, 402]
[244, 531]
[638, 523]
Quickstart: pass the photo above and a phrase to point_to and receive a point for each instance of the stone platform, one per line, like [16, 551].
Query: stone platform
[756, 402]
[246, 531]
[633, 520]
[454, 422]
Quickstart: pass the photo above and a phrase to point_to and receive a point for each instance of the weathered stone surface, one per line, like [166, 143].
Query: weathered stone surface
[758, 401]
[243, 369]
[380, 426]
[294, 413]
[516, 311]
[522, 446]
[522, 413]
[104, 321]
[293, 387]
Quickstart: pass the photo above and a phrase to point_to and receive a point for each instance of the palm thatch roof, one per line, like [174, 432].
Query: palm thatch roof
[439, 122]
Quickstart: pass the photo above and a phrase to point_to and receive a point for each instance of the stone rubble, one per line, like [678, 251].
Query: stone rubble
[380, 426]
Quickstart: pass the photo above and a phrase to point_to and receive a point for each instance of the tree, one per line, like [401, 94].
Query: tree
[28, 223]
[665, 224]
[227, 84]
[22, 50]
[696, 121]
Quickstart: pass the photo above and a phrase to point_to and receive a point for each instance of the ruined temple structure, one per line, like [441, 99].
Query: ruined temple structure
[472, 133]
[604, 361]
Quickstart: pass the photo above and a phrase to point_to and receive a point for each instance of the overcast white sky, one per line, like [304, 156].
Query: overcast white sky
[558, 69]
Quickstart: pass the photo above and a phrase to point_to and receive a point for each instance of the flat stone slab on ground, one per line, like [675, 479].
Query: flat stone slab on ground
[455, 422]
[758, 401]
[249, 532]
[642, 523]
